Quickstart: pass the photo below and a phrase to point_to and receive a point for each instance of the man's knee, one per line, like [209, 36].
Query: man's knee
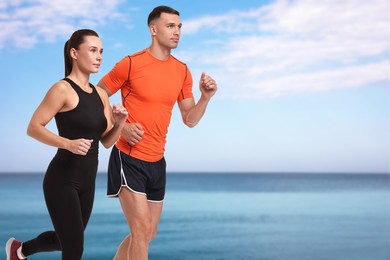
[153, 235]
[142, 233]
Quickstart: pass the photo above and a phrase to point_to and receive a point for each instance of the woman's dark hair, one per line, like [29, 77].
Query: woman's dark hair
[75, 40]
[156, 12]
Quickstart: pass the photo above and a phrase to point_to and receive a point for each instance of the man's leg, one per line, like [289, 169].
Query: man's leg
[155, 210]
[143, 218]
[122, 252]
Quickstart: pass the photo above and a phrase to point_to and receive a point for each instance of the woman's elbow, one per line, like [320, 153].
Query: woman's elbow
[106, 142]
[107, 145]
[30, 130]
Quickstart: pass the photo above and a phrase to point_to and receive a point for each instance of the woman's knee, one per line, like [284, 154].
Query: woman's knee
[72, 244]
[72, 252]
[72, 255]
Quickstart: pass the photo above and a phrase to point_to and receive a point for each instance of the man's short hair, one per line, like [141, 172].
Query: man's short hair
[157, 11]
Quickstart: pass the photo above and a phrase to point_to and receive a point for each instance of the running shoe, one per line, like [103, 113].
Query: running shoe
[11, 247]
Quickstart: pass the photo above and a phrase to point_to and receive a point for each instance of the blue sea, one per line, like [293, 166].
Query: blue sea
[228, 216]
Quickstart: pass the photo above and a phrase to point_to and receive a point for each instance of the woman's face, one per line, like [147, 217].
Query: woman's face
[89, 55]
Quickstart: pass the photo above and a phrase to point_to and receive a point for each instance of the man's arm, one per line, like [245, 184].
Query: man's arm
[192, 113]
[132, 132]
[104, 86]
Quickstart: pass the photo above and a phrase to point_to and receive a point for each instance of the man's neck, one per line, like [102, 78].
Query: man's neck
[159, 53]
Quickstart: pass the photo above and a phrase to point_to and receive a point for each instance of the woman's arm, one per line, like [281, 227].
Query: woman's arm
[116, 118]
[56, 100]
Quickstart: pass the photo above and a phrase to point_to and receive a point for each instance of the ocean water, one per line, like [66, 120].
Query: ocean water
[228, 216]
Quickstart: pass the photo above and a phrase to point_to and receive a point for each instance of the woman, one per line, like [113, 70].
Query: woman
[83, 116]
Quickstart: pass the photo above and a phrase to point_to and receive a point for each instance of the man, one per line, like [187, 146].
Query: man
[151, 82]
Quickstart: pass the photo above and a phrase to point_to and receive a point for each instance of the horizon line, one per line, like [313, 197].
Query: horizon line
[221, 172]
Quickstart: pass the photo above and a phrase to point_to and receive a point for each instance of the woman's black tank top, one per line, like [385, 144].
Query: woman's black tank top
[86, 120]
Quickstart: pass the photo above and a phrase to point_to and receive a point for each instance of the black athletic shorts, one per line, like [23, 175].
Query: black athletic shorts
[139, 176]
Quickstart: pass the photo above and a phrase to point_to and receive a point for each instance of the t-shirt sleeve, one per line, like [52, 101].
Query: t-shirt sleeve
[115, 78]
[186, 91]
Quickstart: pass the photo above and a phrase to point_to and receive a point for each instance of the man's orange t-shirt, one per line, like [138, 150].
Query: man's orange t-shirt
[149, 89]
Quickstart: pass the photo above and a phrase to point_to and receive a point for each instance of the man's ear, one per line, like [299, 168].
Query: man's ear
[153, 30]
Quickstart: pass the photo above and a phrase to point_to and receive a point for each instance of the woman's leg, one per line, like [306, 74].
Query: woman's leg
[45, 242]
[69, 223]
[64, 207]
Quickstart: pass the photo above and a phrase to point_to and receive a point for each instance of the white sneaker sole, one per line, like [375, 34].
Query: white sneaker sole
[8, 247]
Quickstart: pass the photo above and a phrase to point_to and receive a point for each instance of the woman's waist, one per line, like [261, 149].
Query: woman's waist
[93, 152]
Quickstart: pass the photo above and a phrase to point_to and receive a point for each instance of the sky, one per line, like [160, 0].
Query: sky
[303, 86]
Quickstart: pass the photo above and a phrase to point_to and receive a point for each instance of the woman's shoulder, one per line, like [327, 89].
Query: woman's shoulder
[61, 86]
[59, 92]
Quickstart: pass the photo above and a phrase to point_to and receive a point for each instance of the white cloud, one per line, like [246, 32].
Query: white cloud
[26, 22]
[232, 22]
[276, 49]
[296, 46]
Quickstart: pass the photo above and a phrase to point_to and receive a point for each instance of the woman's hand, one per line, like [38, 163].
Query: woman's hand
[79, 146]
[119, 114]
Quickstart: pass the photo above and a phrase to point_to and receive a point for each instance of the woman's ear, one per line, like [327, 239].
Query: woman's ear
[73, 53]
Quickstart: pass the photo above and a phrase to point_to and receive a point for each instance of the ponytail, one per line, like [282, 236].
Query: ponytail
[67, 59]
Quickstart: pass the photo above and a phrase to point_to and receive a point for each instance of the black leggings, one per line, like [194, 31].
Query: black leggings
[69, 188]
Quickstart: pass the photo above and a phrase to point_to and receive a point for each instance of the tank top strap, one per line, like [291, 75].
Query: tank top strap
[78, 89]
[73, 85]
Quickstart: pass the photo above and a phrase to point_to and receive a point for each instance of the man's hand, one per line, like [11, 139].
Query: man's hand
[207, 85]
[133, 133]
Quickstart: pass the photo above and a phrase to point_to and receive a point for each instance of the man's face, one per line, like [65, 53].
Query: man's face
[166, 30]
